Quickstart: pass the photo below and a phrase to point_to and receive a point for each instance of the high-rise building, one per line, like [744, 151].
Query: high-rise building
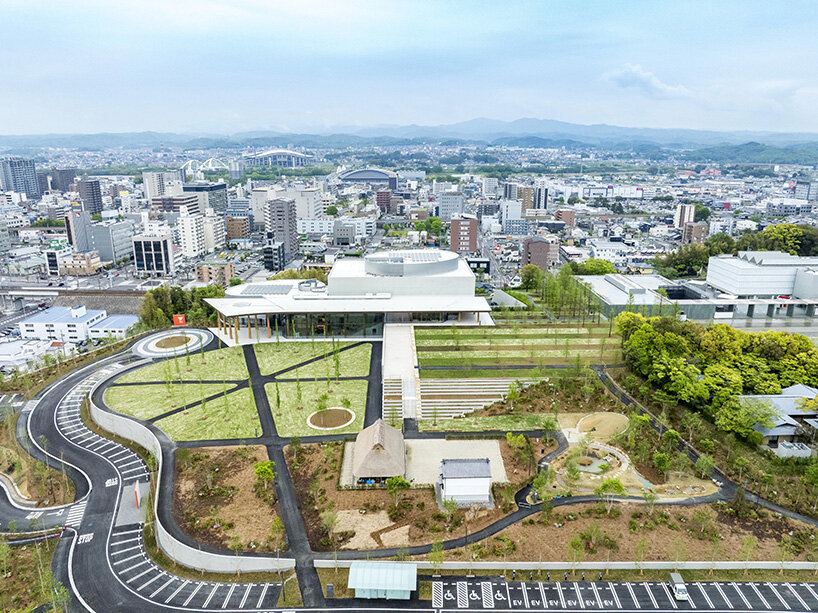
[684, 213]
[165, 183]
[153, 255]
[525, 194]
[490, 185]
[463, 234]
[567, 216]
[19, 175]
[90, 194]
[113, 240]
[62, 179]
[237, 228]
[694, 232]
[274, 258]
[542, 252]
[43, 183]
[540, 198]
[211, 195]
[280, 225]
[174, 204]
[449, 204]
[191, 235]
[58, 250]
[78, 229]
[215, 232]
[383, 199]
[510, 190]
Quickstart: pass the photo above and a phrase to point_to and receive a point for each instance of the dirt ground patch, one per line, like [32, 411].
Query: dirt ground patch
[169, 342]
[560, 395]
[315, 469]
[218, 500]
[602, 426]
[669, 534]
[29, 570]
[335, 417]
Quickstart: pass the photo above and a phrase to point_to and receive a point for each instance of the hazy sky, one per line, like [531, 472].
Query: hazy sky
[225, 66]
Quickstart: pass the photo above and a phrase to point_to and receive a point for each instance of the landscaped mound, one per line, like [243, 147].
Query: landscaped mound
[329, 419]
[602, 426]
[169, 342]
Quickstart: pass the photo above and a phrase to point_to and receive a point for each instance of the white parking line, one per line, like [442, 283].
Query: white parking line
[525, 594]
[137, 565]
[178, 589]
[794, 593]
[579, 596]
[162, 587]
[122, 561]
[596, 593]
[131, 470]
[775, 591]
[542, 595]
[246, 594]
[229, 594]
[71, 429]
[723, 595]
[193, 593]
[740, 593]
[633, 596]
[669, 597]
[266, 585]
[118, 453]
[128, 463]
[615, 596]
[207, 602]
[127, 532]
[764, 600]
[562, 597]
[135, 577]
[811, 591]
[652, 599]
[706, 597]
[119, 551]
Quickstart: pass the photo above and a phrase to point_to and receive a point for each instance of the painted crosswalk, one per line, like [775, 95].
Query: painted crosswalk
[75, 514]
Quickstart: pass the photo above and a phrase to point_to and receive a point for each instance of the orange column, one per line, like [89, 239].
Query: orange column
[249, 329]
[269, 334]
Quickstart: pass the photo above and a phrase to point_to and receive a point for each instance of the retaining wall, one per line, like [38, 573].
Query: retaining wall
[176, 550]
[601, 565]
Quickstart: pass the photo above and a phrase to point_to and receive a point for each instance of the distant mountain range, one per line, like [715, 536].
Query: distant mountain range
[698, 145]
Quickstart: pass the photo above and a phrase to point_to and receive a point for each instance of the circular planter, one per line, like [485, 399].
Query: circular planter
[334, 417]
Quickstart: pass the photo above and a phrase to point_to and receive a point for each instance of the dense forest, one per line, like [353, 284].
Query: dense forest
[161, 304]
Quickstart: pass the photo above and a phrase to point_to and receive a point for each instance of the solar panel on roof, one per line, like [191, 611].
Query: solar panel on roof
[257, 289]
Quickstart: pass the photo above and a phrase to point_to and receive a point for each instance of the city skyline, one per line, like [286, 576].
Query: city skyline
[223, 67]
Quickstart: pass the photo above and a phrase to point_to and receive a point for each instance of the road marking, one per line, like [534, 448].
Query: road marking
[34, 514]
[123, 560]
[542, 595]
[764, 600]
[126, 541]
[706, 597]
[650, 593]
[562, 597]
[579, 596]
[266, 585]
[80, 441]
[128, 463]
[131, 470]
[118, 453]
[119, 551]
[633, 596]
[71, 429]
[85, 538]
[193, 593]
[127, 532]
[135, 577]
[229, 594]
[462, 595]
[615, 597]
[775, 591]
[246, 594]
[794, 593]
[206, 602]
[151, 580]
[487, 593]
[814, 595]
[62, 421]
[137, 565]
[671, 598]
[163, 586]
[525, 594]
[723, 595]
[178, 589]
[740, 593]
[101, 447]
[596, 593]
[112, 482]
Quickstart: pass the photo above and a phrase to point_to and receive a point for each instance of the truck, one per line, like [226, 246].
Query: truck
[678, 587]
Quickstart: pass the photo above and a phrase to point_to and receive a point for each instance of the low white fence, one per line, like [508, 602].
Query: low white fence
[176, 550]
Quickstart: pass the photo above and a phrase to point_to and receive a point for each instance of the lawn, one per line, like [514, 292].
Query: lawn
[273, 357]
[504, 423]
[236, 417]
[290, 421]
[225, 364]
[148, 401]
[353, 362]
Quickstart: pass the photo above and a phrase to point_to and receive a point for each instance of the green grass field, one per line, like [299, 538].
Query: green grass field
[225, 364]
[237, 418]
[148, 401]
[273, 357]
[292, 422]
[353, 363]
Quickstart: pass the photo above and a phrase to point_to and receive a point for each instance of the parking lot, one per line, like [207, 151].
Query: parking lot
[475, 593]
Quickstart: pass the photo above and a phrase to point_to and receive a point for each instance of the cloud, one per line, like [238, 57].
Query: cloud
[633, 76]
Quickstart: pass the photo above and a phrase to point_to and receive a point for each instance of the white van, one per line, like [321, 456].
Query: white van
[677, 585]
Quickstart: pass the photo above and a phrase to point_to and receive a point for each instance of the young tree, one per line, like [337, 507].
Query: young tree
[449, 508]
[513, 395]
[265, 472]
[396, 486]
[705, 465]
[576, 551]
[550, 424]
[329, 520]
[650, 497]
[661, 461]
[748, 548]
[608, 490]
[436, 554]
[740, 463]
[639, 551]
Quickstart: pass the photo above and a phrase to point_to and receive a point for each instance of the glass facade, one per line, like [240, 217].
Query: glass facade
[307, 325]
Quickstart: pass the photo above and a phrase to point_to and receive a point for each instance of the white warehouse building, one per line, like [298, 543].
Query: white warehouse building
[759, 274]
